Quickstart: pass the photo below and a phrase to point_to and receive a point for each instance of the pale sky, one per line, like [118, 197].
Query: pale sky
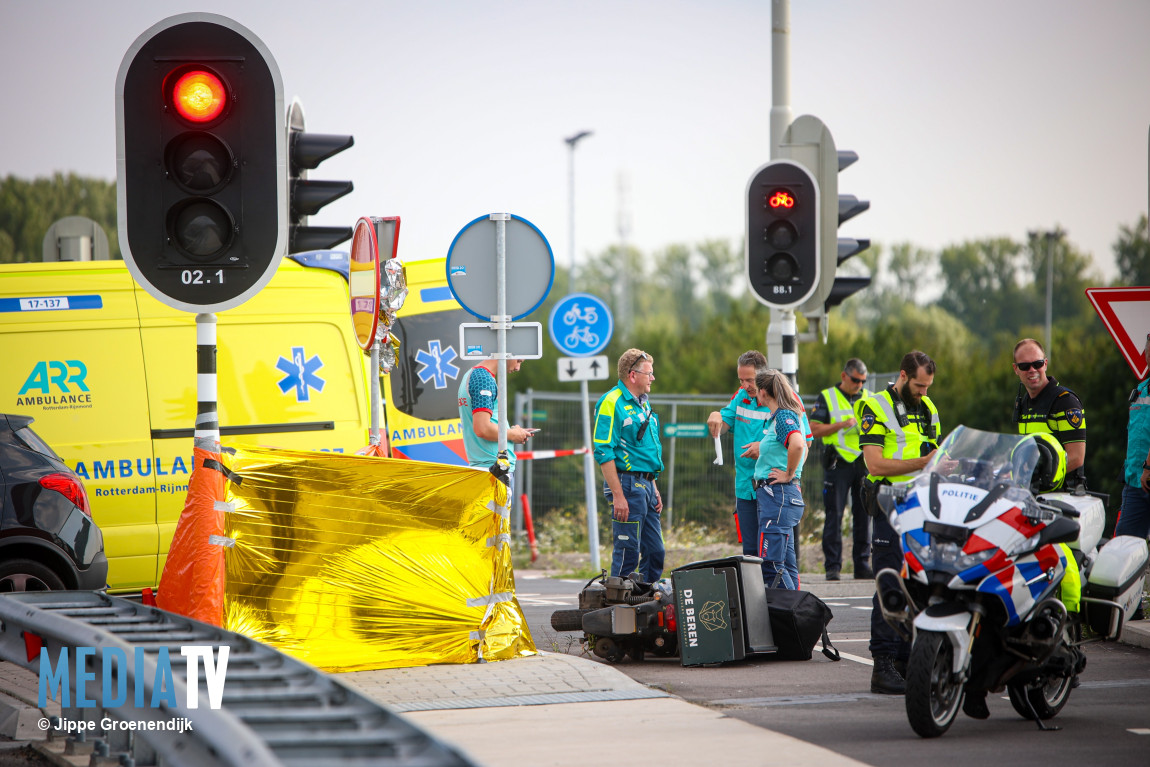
[972, 119]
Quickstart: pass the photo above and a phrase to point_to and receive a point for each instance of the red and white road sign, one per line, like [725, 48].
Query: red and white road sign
[1126, 314]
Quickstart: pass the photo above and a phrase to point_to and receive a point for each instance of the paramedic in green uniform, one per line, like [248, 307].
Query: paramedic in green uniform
[627, 449]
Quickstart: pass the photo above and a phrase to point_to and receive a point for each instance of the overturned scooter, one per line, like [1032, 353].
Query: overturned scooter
[979, 596]
[708, 613]
[621, 617]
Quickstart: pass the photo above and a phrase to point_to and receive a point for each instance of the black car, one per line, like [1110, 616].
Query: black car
[48, 540]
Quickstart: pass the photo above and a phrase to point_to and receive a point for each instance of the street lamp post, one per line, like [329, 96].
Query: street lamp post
[1051, 238]
[571, 142]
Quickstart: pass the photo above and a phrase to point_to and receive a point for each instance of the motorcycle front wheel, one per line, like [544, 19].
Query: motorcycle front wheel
[933, 693]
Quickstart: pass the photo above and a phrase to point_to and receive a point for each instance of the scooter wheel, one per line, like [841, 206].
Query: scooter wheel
[568, 620]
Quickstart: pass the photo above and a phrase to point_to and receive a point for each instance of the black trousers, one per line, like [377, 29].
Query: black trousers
[845, 481]
[886, 551]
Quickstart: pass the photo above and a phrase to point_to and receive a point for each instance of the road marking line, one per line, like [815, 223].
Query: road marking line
[1139, 730]
[857, 658]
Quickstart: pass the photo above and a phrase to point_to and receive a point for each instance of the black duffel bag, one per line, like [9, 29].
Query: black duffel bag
[798, 620]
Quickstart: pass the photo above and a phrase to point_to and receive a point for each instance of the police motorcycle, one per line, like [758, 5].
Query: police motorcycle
[979, 592]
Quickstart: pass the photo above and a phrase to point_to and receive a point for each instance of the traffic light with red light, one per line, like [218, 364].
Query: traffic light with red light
[201, 162]
[783, 234]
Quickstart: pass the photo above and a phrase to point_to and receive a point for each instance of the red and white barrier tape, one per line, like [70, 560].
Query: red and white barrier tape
[530, 454]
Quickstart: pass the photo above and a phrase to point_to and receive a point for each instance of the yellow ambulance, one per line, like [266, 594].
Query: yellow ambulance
[109, 374]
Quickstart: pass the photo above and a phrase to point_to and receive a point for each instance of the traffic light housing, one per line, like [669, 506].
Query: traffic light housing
[783, 246]
[200, 159]
[849, 206]
[306, 151]
[808, 142]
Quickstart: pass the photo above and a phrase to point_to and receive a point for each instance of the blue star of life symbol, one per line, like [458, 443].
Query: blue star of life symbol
[436, 364]
[299, 374]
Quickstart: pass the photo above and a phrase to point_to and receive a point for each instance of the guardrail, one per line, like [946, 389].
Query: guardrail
[275, 710]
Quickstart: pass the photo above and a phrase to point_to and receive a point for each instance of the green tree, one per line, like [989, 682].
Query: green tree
[28, 208]
[1132, 254]
[982, 285]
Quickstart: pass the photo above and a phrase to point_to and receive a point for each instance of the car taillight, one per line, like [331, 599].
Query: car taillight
[669, 616]
[69, 487]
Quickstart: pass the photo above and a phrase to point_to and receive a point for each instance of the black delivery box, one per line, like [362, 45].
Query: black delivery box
[721, 610]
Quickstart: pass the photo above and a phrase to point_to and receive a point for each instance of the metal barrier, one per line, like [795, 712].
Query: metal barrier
[275, 710]
[694, 489]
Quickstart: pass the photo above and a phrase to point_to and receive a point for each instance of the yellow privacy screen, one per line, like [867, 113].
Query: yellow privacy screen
[352, 562]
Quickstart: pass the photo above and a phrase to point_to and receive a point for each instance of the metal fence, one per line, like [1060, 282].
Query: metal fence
[694, 489]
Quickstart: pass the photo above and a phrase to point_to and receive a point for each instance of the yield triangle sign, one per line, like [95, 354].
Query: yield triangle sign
[1126, 314]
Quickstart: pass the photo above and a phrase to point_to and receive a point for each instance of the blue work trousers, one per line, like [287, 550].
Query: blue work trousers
[780, 509]
[1134, 519]
[638, 542]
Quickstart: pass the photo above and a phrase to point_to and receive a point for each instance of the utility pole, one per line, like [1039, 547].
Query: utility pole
[571, 142]
[1051, 239]
[623, 223]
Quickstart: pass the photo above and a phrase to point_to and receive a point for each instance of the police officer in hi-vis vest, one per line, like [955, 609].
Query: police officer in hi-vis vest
[626, 446]
[899, 433]
[833, 420]
[1044, 405]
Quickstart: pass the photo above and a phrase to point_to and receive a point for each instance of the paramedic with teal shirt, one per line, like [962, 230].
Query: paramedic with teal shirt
[627, 449]
[1134, 518]
[778, 492]
[745, 416]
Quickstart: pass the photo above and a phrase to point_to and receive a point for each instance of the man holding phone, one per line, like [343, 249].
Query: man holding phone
[479, 417]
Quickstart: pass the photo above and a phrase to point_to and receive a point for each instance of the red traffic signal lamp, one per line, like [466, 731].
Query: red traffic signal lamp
[783, 234]
[201, 162]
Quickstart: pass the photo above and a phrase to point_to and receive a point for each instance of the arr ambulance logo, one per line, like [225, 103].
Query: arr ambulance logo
[300, 374]
[56, 385]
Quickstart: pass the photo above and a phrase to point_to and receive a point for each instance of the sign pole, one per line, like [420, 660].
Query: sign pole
[500, 220]
[592, 498]
[374, 437]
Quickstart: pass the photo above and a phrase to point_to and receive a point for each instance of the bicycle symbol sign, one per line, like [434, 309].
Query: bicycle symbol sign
[580, 325]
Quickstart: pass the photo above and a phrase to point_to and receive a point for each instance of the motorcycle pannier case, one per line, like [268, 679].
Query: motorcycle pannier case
[1117, 576]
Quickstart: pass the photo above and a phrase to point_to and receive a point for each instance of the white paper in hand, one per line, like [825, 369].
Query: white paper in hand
[718, 452]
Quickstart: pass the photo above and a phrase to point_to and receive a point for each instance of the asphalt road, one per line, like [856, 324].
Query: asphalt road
[1107, 720]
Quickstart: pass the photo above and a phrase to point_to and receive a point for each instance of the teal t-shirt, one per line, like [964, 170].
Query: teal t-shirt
[746, 417]
[773, 446]
[478, 390]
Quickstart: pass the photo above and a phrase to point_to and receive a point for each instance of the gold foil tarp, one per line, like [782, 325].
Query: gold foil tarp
[352, 563]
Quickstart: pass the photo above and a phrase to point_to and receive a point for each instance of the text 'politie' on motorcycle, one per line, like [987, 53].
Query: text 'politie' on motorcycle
[986, 540]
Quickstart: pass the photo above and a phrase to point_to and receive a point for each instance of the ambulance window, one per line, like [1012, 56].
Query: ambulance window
[425, 382]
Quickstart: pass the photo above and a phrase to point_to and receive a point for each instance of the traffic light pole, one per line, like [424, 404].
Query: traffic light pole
[207, 432]
[782, 346]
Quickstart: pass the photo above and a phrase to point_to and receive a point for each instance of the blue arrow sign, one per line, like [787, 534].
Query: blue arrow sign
[580, 325]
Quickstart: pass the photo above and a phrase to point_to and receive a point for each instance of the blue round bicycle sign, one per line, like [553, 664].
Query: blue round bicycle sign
[580, 325]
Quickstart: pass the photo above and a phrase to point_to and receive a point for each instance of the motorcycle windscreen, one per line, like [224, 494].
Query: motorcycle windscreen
[355, 563]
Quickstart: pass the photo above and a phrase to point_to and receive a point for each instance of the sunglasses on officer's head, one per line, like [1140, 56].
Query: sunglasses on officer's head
[856, 380]
[1024, 366]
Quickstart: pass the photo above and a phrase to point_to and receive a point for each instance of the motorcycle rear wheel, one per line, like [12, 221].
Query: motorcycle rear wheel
[933, 695]
[1048, 697]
